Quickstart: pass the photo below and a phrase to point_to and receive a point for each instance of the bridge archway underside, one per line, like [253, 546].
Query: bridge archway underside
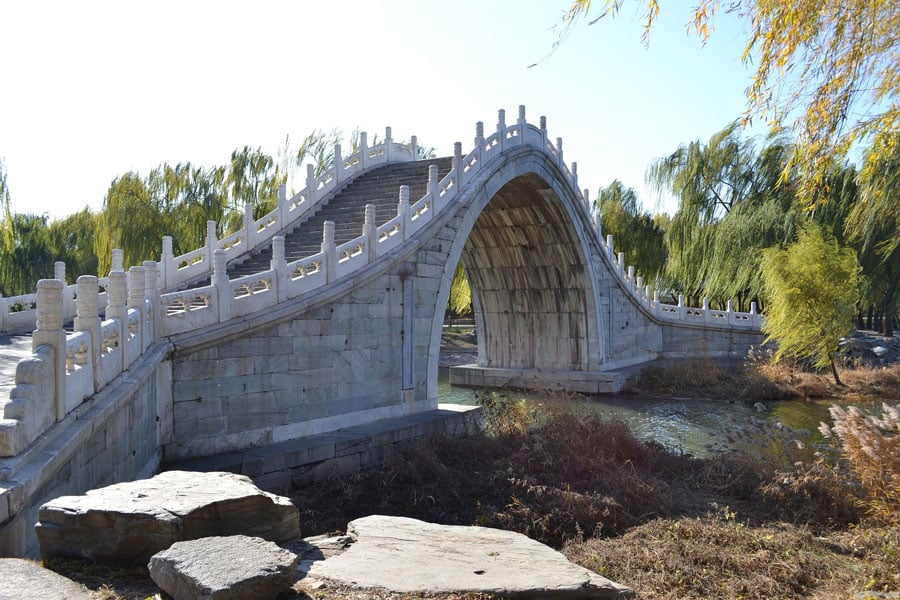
[528, 277]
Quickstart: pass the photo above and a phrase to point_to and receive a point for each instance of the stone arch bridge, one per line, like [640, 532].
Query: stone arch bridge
[326, 314]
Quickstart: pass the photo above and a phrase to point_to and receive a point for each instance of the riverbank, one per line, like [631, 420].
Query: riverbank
[749, 523]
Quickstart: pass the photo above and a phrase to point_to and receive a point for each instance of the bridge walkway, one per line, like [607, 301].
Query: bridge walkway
[380, 187]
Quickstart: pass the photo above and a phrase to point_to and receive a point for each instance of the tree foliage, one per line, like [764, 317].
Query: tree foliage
[731, 205]
[635, 232]
[833, 62]
[812, 291]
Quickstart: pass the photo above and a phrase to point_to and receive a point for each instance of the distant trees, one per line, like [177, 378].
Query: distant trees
[640, 236]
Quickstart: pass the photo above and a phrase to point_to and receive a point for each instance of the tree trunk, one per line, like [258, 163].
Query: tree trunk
[869, 317]
[834, 372]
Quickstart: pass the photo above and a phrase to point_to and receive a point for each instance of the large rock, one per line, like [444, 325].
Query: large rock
[132, 521]
[409, 556]
[27, 580]
[224, 568]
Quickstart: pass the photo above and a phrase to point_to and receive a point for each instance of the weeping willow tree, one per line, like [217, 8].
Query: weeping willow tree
[830, 66]
[732, 203]
[634, 231]
[873, 225]
[178, 200]
[460, 301]
[812, 287]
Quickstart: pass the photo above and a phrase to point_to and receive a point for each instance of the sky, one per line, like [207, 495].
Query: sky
[92, 90]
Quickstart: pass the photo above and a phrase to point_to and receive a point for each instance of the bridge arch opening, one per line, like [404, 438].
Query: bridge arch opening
[530, 280]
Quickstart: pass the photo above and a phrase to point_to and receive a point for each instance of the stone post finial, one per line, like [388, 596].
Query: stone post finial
[136, 282]
[224, 295]
[403, 209]
[680, 300]
[50, 332]
[87, 318]
[521, 120]
[559, 151]
[414, 147]
[753, 308]
[311, 191]
[330, 251]
[370, 230]
[705, 303]
[279, 266]
[501, 120]
[457, 157]
[338, 163]
[479, 133]
[363, 149]
[117, 259]
[544, 124]
[621, 262]
[387, 135]
[433, 182]
[59, 271]
[575, 175]
[151, 293]
[211, 242]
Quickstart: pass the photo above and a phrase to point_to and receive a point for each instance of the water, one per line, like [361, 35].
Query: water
[698, 426]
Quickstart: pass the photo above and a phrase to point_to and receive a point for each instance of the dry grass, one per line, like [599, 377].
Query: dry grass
[758, 379]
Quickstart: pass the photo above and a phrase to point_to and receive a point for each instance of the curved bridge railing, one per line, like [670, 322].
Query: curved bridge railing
[66, 368]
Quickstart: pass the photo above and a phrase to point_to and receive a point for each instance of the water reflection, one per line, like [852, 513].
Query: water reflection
[698, 426]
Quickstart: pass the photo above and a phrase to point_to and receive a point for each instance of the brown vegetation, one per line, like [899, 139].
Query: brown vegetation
[770, 521]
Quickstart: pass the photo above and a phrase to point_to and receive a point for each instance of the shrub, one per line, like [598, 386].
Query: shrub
[871, 446]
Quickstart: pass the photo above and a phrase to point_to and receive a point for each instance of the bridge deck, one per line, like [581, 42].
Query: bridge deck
[13, 348]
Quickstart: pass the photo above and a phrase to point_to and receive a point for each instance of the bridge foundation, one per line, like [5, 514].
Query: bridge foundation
[585, 382]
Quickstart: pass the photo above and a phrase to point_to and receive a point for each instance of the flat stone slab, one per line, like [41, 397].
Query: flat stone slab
[132, 521]
[224, 568]
[409, 556]
[22, 579]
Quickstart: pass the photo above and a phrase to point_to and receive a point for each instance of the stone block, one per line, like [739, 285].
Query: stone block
[27, 580]
[224, 568]
[131, 521]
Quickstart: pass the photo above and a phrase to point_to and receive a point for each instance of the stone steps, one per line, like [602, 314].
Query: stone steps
[347, 211]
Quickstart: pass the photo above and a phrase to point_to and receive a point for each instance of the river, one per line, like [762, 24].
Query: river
[698, 426]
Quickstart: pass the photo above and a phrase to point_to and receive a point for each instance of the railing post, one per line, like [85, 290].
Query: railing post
[620, 263]
[136, 281]
[370, 231]
[363, 150]
[328, 248]
[656, 307]
[457, 163]
[167, 263]
[68, 305]
[117, 259]
[151, 293]
[559, 153]
[283, 208]
[575, 175]
[707, 317]
[630, 276]
[755, 319]
[403, 209]
[87, 318]
[544, 133]
[388, 145]
[639, 285]
[609, 247]
[501, 128]
[50, 332]
[116, 294]
[730, 310]
[681, 310]
[414, 147]
[648, 294]
[338, 165]
[521, 122]
[586, 195]
[223, 287]
[4, 310]
[250, 224]
[311, 192]
[479, 140]
[433, 184]
[211, 242]
[279, 266]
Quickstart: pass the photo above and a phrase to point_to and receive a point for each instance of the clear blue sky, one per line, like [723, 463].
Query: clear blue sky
[93, 90]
